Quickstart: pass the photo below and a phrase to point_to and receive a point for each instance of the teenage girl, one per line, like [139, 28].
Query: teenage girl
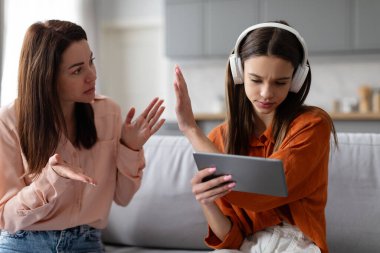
[268, 78]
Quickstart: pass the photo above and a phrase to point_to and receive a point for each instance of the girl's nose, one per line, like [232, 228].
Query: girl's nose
[266, 91]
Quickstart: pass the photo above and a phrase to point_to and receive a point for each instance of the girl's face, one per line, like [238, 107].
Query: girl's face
[77, 74]
[267, 81]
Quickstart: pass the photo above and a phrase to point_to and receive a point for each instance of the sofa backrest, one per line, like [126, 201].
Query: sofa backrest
[164, 213]
[353, 207]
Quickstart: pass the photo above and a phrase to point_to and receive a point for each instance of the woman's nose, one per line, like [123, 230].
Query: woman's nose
[91, 75]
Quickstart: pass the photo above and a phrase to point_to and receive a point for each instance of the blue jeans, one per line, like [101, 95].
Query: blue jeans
[78, 239]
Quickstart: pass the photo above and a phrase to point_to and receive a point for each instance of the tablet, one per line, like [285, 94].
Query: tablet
[251, 174]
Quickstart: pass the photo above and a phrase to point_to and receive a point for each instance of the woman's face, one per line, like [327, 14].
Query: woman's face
[267, 81]
[77, 74]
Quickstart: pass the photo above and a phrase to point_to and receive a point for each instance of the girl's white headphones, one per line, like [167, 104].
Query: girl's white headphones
[237, 66]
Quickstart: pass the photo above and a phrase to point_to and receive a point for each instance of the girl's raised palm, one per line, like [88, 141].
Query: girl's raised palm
[183, 108]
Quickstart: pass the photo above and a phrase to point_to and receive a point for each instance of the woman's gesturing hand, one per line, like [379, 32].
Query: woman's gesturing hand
[135, 133]
[65, 170]
[207, 192]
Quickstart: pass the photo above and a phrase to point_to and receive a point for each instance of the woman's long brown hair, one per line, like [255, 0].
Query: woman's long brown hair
[266, 41]
[40, 117]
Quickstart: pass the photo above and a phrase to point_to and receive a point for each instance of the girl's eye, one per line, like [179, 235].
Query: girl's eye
[256, 81]
[281, 83]
[92, 60]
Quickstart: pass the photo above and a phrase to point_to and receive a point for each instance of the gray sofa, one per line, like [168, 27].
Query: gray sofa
[164, 216]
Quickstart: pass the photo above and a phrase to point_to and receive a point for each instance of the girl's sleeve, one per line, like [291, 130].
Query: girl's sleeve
[22, 205]
[304, 153]
[130, 165]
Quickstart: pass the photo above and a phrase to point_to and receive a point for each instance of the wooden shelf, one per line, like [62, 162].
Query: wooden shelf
[357, 116]
[353, 116]
[210, 116]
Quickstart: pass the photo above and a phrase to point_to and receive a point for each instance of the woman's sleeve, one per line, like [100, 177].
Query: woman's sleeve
[130, 165]
[23, 205]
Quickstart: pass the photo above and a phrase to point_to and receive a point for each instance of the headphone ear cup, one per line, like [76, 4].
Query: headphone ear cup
[236, 69]
[299, 78]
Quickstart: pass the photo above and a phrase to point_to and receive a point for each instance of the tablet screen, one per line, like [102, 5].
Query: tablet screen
[251, 174]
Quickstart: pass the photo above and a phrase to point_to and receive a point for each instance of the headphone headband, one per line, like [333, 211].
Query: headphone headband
[302, 69]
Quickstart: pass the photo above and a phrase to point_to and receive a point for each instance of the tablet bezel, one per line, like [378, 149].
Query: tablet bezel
[251, 174]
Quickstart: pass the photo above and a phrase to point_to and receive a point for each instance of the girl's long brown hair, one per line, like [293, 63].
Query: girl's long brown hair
[266, 41]
[40, 117]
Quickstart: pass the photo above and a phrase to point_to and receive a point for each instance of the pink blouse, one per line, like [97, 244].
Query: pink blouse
[51, 202]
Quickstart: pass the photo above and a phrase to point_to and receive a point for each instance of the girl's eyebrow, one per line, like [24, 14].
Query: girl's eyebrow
[280, 78]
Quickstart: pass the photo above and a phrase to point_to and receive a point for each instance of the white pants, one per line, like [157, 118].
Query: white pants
[283, 238]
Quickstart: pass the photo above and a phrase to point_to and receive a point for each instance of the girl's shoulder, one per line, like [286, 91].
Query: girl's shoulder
[313, 112]
[312, 116]
[218, 135]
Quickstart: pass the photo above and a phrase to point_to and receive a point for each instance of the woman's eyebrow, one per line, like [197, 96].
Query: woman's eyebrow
[75, 65]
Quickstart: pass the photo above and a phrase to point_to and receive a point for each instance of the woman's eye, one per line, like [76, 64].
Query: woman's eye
[281, 83]
[92, 60]
[77, 71]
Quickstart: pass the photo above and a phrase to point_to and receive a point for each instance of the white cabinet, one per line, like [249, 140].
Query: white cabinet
[224, 21]
[324, 24]
[367, 24]
[205, 28]
[184, 28]
[209, 28]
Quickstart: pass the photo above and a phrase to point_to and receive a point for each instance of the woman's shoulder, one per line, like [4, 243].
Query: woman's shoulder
[103, 104]
[8, 114]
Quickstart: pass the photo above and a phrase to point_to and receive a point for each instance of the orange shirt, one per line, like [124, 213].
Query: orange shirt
[305, 154]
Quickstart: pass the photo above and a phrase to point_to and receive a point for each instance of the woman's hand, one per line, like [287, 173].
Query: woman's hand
[67, 171]
[207, 192]
[135, 133]
[185, 116]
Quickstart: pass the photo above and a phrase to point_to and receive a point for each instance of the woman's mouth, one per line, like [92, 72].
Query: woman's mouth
[90, 91]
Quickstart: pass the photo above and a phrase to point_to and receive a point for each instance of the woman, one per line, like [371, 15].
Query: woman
[64, 153]
[267, 81]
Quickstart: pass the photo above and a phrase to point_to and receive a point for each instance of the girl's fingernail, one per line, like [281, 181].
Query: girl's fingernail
[227, 178]
[212, 169]
[231, 185]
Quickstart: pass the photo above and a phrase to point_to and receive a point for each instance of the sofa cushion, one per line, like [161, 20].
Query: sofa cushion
[163, 213]
[353, 208]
